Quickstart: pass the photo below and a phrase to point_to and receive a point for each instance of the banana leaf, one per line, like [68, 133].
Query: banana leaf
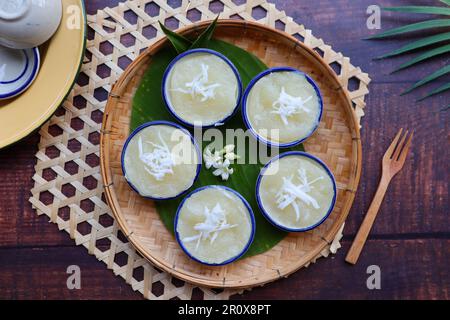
[205, 36]
[179, 42]
[148, 105]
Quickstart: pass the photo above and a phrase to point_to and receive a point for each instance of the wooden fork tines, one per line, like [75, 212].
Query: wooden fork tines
[393, 161]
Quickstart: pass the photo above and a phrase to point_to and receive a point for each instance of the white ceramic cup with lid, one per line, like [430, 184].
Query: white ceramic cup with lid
[28, 23]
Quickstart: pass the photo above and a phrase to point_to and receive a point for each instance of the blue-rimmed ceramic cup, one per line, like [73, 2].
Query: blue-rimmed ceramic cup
[204, 250]
[289, 134]
[268, 190]
[18, 70]
[142, 178]
[188, 108]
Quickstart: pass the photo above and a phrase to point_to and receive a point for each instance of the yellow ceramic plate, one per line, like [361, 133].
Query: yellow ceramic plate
[61, 59]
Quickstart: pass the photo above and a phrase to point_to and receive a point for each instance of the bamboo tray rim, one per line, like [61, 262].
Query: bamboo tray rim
[107, 175]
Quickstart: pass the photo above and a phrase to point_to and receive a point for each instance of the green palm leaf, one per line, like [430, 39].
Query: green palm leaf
[420, 9]
[429, 78]
[422, 43]
[418, 44]
[427, 55]
[441, 89]
[423, 25]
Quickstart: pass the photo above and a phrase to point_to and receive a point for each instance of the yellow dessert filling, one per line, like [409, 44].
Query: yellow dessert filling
[214, 225]
[286, 102]
[296, 192]
[201, 87]
[161, 161]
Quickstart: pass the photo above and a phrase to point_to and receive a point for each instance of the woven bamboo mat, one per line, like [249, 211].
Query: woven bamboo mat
[68, 157]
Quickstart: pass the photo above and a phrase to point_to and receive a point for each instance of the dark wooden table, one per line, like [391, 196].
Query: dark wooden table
[410, 240]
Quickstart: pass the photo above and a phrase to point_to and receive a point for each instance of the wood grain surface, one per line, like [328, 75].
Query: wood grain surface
[410, 240]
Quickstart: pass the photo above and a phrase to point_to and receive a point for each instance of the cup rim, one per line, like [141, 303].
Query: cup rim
[268, 216]
[156, 123]
[30, 80]
[245, 114]
[167, 101]
[249, 211]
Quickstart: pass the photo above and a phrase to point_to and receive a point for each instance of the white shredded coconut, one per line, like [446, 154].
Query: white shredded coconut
[287, 105]
[159, 162]
[215, 222]
[290, 193]
[198, 86]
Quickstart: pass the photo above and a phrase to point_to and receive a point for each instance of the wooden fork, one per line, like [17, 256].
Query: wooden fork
[393, 161]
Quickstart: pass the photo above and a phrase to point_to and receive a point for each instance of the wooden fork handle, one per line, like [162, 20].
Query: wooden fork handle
[364, 229]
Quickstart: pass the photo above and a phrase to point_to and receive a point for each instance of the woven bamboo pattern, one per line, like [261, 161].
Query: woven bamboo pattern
[69, 143]
[336, 142]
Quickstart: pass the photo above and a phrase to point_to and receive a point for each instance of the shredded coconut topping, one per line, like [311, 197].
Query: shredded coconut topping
[290, 193]
[287, 105]
[215, 222]
[159, 162]
[198, 86]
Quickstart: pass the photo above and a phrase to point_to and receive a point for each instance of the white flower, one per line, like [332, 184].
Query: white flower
[220, 160]
[229, 152]
[211, 159]
[231, 156]
[229, 148]
[223, 169]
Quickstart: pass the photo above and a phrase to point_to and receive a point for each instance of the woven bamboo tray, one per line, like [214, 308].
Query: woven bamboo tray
[336, 142]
